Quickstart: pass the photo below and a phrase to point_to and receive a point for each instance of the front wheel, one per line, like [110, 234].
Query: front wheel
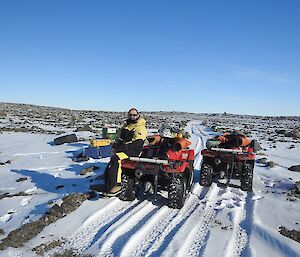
[127, 188]
[206, 175]
[177, 192]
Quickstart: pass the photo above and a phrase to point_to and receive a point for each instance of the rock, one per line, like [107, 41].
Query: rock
[89, 169]
[70, 253]
[297, 187]
[2, 232]
[68, 207]
[84, 128]
[5, 195]
[21, 179]
[271, 164]
[57, 211]
[59, 186]
[292, 234]
[295, 168]
[86, 170]
[260, 153]
[72, 138]
[43, 248]
[262, 160]
[4, 163]
[255, 146]
[294, 134]
[281, 131]
[81, 158]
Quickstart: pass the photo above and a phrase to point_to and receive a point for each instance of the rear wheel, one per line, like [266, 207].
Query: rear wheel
[177, 192]
[247, 177]
[127, 188]
[206, 175]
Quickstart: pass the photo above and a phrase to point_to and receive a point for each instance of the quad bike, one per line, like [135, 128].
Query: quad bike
[228, 160]
[159, 167]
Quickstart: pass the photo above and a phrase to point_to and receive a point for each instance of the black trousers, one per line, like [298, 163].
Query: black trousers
[111, 172]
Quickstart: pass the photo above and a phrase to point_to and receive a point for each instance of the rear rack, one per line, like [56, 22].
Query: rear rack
[157, 161]
[227, 150]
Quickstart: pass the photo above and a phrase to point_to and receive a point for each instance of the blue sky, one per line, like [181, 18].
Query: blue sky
[196, 56]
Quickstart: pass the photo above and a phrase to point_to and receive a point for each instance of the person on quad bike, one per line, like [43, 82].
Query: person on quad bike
[165, 164]
[130, 142]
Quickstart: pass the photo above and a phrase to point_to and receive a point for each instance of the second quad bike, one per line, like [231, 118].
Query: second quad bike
[166, 165]
[227, 156]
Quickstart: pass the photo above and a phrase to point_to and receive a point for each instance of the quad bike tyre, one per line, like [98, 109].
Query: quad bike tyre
[189, 173]
[177, 192]
[247, 177]
[206, 175]
[127, 188]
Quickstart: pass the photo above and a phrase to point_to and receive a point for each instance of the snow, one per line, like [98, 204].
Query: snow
[215, 221]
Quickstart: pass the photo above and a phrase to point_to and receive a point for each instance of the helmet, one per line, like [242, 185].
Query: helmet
[166, 131]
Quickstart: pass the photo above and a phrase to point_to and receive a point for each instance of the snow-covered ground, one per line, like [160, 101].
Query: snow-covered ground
[215, 221]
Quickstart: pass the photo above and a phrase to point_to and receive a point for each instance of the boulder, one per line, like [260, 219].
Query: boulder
[271, 164]
[256, 146]
[281, 131]
[292, 234]
[262, 160]
[294, 134]
[84, 128]
[297, 184]
[21, 179]
[72, 138]
[295, 168]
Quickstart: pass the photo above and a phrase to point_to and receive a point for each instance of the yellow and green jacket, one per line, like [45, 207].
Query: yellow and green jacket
[131, 137]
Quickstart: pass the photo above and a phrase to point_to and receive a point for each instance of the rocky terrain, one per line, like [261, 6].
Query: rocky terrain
[51, 120]
[43, 189]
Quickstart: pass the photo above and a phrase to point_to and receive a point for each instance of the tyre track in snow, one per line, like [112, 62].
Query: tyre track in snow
[243, 223]
[197, 236]
[173, 228]
[114, 238]
[239, 237]
[97, 223]
[154, 232]
[201, 137]
[175, 224]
